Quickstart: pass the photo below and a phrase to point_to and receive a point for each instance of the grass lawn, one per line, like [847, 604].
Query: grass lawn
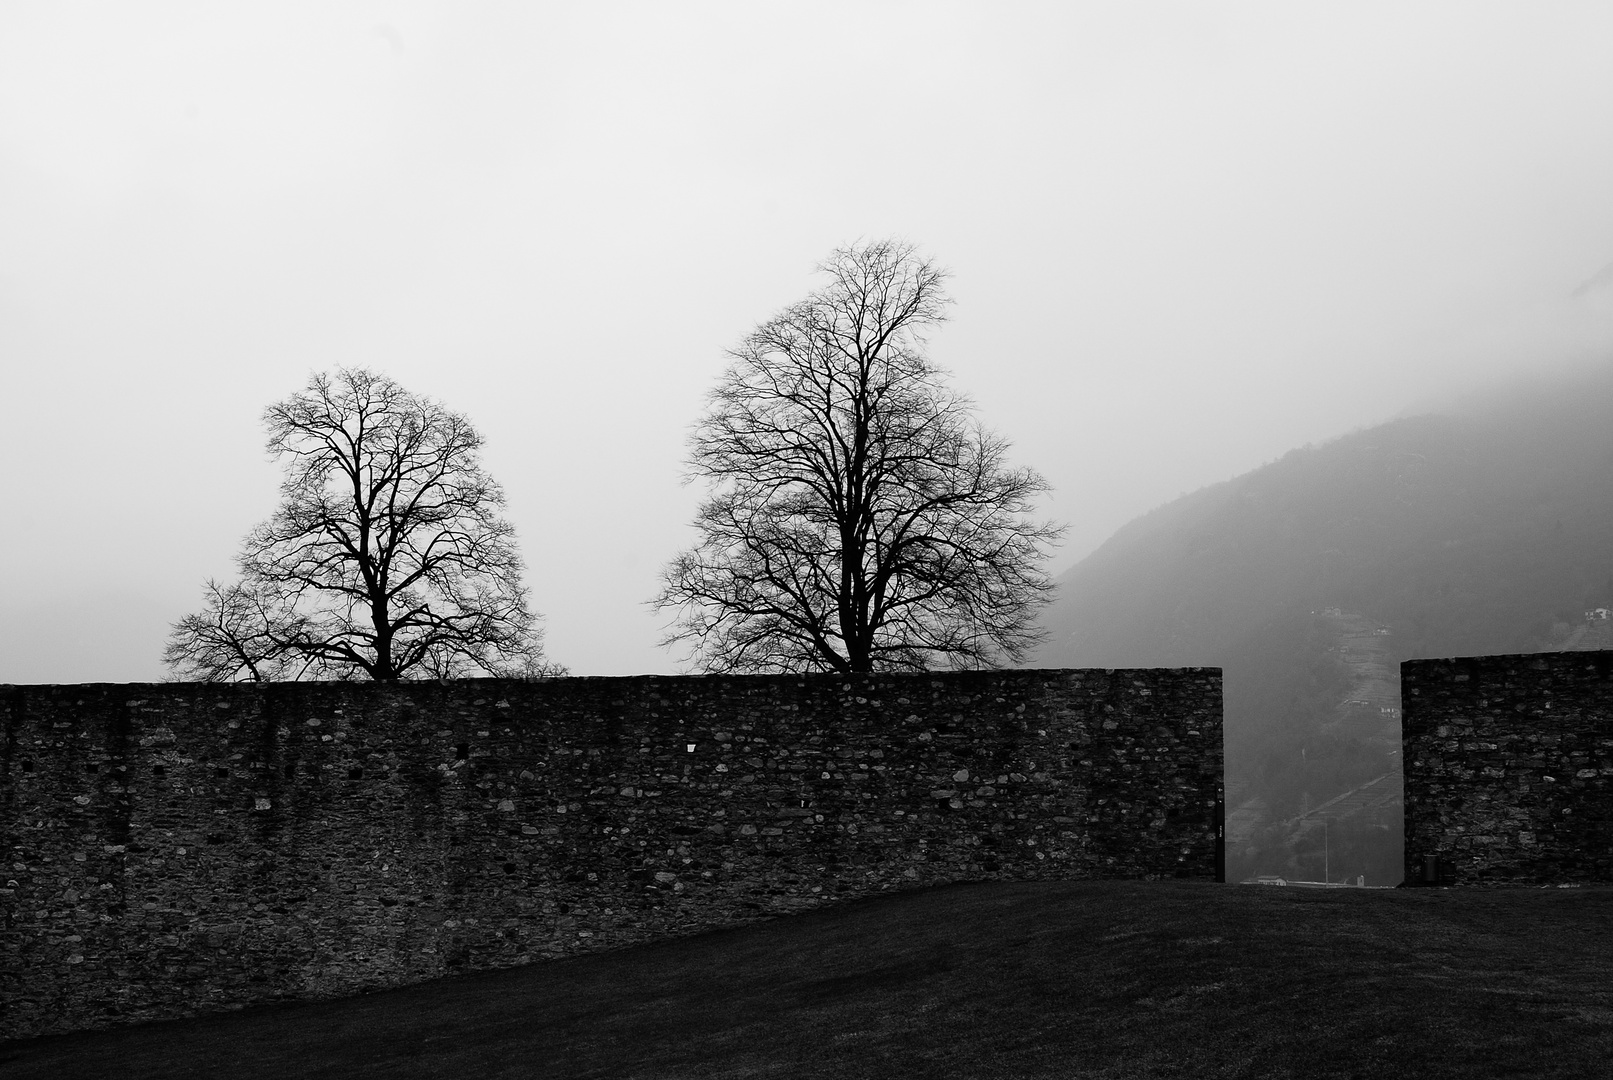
[1052, 979]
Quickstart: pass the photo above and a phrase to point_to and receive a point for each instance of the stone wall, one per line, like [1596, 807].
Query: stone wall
[172, 849]
[1509, 767]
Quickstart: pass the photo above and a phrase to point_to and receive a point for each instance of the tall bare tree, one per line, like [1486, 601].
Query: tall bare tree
[387, 558]
[859, 519]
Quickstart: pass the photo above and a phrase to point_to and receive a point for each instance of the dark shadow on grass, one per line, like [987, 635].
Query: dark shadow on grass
[994, 980]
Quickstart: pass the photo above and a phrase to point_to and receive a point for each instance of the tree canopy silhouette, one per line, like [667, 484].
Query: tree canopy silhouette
[859, 519]
[386, 559]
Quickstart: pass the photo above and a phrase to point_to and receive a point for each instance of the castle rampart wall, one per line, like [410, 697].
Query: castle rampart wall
[172, 849]
[1509, 767]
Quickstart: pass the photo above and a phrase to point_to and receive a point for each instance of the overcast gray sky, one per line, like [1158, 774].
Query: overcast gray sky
[1185, 238]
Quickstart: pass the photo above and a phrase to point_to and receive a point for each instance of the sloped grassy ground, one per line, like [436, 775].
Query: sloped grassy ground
[1062, 979]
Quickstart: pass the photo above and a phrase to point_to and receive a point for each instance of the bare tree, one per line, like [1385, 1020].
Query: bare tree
[860, 519]
[386, 559]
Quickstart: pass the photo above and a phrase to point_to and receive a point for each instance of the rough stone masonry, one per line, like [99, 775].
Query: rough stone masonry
[1509, 767]
[174, 849]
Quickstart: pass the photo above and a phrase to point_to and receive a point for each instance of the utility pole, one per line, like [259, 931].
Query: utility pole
[1327, 874]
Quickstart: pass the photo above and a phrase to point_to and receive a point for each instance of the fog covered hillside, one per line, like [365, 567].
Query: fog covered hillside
[1485, 528]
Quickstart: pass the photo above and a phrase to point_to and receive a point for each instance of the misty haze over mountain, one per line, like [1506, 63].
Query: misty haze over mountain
[1185, 238]
[1484, 528]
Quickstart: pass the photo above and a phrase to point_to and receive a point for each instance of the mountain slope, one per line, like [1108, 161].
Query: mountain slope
[1488, 529]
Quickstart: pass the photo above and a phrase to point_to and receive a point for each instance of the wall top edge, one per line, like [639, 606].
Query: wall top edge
[1588, 656]
[814, 676]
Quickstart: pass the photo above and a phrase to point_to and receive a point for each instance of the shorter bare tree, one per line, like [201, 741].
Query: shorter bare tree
[860, 518]
[387, 558]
